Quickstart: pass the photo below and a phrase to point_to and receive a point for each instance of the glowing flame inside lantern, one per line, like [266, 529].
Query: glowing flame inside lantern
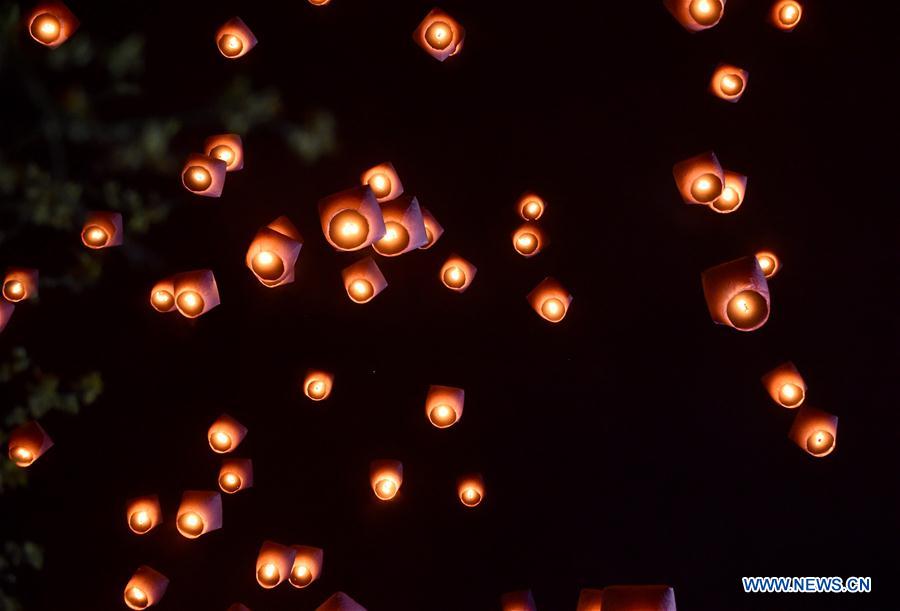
[301, 576]
[454, 277]
[527, 243]
[553, 309]
[439, 35]
[442, 416]
[268, 266]
[706, 188]
[706, 12]
[231, 45]
[14, 290]
[136, 598]
[220, 442]
[140, 522]
[191, 303]
[21, 456]
[746, 310]
[381, 185]
[223, 152]
[95, 236]
[230, 482]
[197, 178]
[790, 395]
[789, 14]
[820, 443]
[348, 229]
[268, 575]
[163, 300]
[317, 389]
[470, 496]
[386, 489]
[190, 524]
[731, 84]
[46, 28]
[395, 240]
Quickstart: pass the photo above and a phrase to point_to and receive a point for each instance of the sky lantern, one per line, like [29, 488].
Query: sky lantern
[272, 255]
[204, 175]
[196, 292]
[634, 598]
[589, 600]
[20, 283]
[307, 565]
[518, 601]
[786, 15]
[737, 294]
[51, 23]
[384, 182]
[729, 82]
[200, 512]
[700, 179]
[351, 219]
[225, 434]
[528, 240]
[145, 588]
[734, 189]
[227, 148]
[317, 384]
[273, 564]
[404, 227]
[236, 474]
[363, 280]
[340, 602]
[162, 296]
[102, 229]
[143, 514]
[814, 431]
[457, 273]
[386, 477]
[27, 443]
[440, 35]
[785, 385]
[696, 15]
[433, 229]
[550, 300]
[768, 263]
[6, 312]
[470, 489]
[531, 207]
[235, 39]
[444, 405]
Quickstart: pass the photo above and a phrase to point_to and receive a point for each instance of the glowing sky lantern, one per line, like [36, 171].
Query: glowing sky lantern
[317, 384]
[351, 219]
[273, 564]
[27, 443]
[307, 566]
[729, 82]
[433, 229]
[340, 602]
[518, 601]
[225, 434]
[589, 600]
[384, 182]
[162, 296]
[440, 35]
[696, 15]
[444, 405]
[785, 385]
[530, 207]
[200, 512]
[768, 263]
[234, 39]
[51, 23]
[734, 190]
[386, 477]
[145, 588]
[102, 229]
[457, 274]
[815, 431]
[272, 255]
[363, 280]
[737, 294]
[227, 148]
[404, 227]
[236, 474]
[19, 284]
[786, 14]
[196, 292]
[528, 240]
[633, 598]
[470, 489]
[202, 175]
[700, 179]
[550, 300]
[143, 514]
[6, 312]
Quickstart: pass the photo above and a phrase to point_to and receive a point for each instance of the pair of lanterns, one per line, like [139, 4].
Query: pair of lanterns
[697, 15]
[234, 39]
[51, 23]
[19, 284]
[528, 239]
[27, 443]
[702, 181]
[191, 293]
[386, 477]
[204, 174]
[224, 436]
[299, 565]
[440, 35]
[272, 255]
[200, 512]
[813, 430]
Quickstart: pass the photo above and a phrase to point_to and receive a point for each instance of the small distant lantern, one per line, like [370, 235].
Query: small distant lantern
[145, 588]
[786, 15]
[444, 405]
[384, 182]
[457, 273]
[785, 385]
[729, 82]
[433, 229]
[27, 443]
[550, 300]
[386, 477]
[471, 490]
[102, 230]
[6, 312]
[531, 207]
[404, 227]
[196, 292]
[589, 600]
[518, 601]
[700, 179]
[696, 15]
[307, 566]
[51, 23]
[528, 240]
[204, 175]
[363, 280]
[815, 431]
[351, 219]
[272, 255]
[162, 296]
[317, 384]
[143, 514]
[227, 148]
[340, 602]
[440, 35]
[235, 39]
[273, 564]
[225, 434]
[645, 598]
[200, 512]
[236, 474]
[737, 294]
[733, 191]
[20, 283]
[768, 263]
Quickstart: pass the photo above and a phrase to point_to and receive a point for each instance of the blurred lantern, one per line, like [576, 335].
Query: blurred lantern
[768, 263]
[634, 598]
[235, 475]
[729, 82]
[196, 292]
[700, 179]
[786, 15]
[737, 294]
[785, 385]
[51, 23]
[145, 588]
[162, 296]
[471, 490]
[440, 35]
[144, 514]
[235, 39]
[307, 566]
[225, 434]
[317, 384]
[531, 207]
[204, 175]
[433, 229]
[518, 601]
[27, 443]
[20, 283]
[200, 512]
[6, 312]
[227, 148]
[384, 182]
[528, 240]
[457, 273]
[363, 280]
[589, 600]
[386, 477]
[102, 229]
[351, 219]
[273, 564]
[404, 227]
[696, 15]
[272, 255]
[550, 300]
[340, 602]
[444, 405]
[815, 431]
[733, 191]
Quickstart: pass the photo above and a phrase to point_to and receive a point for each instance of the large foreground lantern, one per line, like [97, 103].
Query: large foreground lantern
[700, 179]
[440, 35]
[386, 477]
[27, 443]
[236, 474]
[457, 273]
[235, 39]
[227, 148]
[528, 240]
[20, 283]
[272, 255]
[768, 263]
[317, 384]
[729, 82]
[550, 300]
[518, 601]
[785, 385]
[307, 565]
[444, 405]
[340, 602]
[143, 514]
[737, 294]
[196, 292]
[470, 489]
[145, 588]
[531, 207]
[734, 189]
[51, 23]
[404, 227]
[351, 219]
[203, 175]
[273, 564]
[6, 312]
[433, 229]
[815, 431]
[696, 15]
[786, 14]
[102, 229]
[225, 434]
[637, 598]
[200, 512]
[384, 182]
[363, 280]
[162, 296]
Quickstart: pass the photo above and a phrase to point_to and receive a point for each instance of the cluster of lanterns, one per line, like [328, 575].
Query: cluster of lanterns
[702, 181]
[697, 15]
[813, 430]
[192, 293]
[204, 173]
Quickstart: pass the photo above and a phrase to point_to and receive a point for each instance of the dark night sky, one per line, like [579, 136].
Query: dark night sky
[633, 443]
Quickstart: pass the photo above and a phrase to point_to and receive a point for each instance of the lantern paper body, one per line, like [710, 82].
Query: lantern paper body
[272, 256]
[729, 82]
[225, 434]
[384, 182]
[204, 175]
[433, 229]
[307, 565]
[51, 23]
[457, 273]
[200, 512]
[518, 601]
[768, 263]
[733, 191]
[386, 477]
[404, 227]
[145, 588]
[785, 385]
[444, 405]
[235, 475]
[814, 431]
[786, 15]
[699, 179]
[102, 230]
[317, 384]
[589, 600]
[6, 312]
[27, 443]
[234, 39]
[470, 489]
[143, 514]
[531, 207]
[737, 294]
[340, 602]
[196, 292]
[273, 564]
[528, 240]
[351, 219]
[696, 15]
[550, 300]
[162, 296]
[633, 598]
[363, 280]
[440, 35]
[227, 148]
[19, 284]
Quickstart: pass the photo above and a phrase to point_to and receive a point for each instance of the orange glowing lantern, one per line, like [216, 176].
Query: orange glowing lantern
[634, 598]
[386, 477]
[733, 192]
[786, 15]
[351, 219]
[273, 564]
[518, 601]
[317, 384]
[785, 385]
[235, 475]
[143, 514]
[51, 23]
[225, 434]
[550, 300]
[200, 512]
[102, 230]
[696, 15]
[384, 182]
[272, 255]
[19, 284]
[162, 296]
[700, 179]
[227, 148]
[307, 566]
[235, 39]
[470, 490]
[196, 292]
[737, 294]
[404, 227]
[204, 175]
[319, 2]
[528, 240]
[768, 263]
[145, 588]
[363, 280]
[440, 35]
[814, 431]
[729, 82]
[444, 405]
[457, 273]
[433, 229]
[340, 602]
[589, 600]
[6, 312]
[531, 207]
[27, 443]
